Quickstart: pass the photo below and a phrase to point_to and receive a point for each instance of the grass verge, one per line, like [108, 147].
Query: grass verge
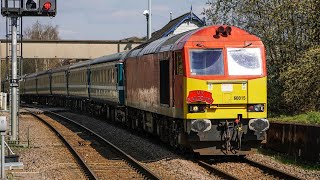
[312, 118]
[290, 160]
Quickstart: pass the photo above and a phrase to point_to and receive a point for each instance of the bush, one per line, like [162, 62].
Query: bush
[302, 82]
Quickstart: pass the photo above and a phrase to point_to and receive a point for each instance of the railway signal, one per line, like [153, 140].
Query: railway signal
[48, 7]
[39, 8]
[31, 5]
[15, 9]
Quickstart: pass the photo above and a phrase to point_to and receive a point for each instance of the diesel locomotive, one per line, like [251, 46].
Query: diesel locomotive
[205, 89]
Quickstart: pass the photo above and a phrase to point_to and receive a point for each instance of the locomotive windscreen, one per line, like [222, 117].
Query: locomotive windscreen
[244, 61]
[206, 62]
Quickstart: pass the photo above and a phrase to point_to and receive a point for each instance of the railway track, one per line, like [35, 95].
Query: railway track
[109, 163]
[227, 168]
[243, 168]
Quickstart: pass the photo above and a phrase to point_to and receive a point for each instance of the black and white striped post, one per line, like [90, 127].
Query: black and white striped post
[3, 127]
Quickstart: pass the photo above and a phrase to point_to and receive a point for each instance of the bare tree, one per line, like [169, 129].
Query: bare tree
[40, 31]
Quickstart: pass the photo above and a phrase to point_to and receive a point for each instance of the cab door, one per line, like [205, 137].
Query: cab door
[165, 82]
[178, 80]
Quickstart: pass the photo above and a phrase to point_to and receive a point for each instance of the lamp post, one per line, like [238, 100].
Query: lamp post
[150, 19]
[148, 15]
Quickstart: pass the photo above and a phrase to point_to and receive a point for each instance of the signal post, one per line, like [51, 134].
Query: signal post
[14, 9]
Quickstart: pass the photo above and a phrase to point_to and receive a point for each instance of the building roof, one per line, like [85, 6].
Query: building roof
[174, 24]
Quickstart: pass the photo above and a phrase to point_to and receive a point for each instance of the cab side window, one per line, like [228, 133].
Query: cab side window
[179, 64]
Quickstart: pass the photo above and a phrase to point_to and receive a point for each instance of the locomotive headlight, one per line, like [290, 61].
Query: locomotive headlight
[196, 108]
[200, 125]
[256, 108]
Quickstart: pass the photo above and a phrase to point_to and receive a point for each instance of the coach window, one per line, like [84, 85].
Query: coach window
[113, 76]
[109, 76]
[83, 76]
[101, 74]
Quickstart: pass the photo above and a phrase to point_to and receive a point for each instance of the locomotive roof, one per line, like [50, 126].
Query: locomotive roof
[177, 42]
[107, 58]
[160, 45]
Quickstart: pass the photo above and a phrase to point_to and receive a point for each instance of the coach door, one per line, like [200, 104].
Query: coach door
[164, 82]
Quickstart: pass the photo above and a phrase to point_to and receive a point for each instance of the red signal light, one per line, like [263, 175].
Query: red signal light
[47, 6]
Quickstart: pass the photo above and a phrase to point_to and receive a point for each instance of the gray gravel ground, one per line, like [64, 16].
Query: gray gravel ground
[46, 158]
[289, 168]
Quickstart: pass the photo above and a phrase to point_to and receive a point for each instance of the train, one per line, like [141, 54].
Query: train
[204, 90]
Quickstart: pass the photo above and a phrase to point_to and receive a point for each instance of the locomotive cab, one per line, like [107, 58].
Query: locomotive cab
[224, 91]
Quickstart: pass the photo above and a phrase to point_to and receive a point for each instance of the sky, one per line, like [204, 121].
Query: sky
[110, 19]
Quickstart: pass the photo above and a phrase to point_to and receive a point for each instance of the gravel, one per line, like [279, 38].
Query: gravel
[46, 157]
[289, 168]
[243, 170]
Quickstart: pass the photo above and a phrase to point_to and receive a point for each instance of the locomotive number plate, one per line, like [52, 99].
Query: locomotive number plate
[238, 98]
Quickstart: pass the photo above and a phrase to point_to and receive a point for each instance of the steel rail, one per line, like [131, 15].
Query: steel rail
[84, 166]
[141, 168]
[218, 171]
[277, 172]
[272, 171]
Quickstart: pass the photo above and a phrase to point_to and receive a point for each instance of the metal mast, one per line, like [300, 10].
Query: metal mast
[150, 20]
[14, 78]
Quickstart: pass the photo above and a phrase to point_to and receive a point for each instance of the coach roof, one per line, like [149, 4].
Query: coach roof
[107, 58]
[59, 69]
[80, 64]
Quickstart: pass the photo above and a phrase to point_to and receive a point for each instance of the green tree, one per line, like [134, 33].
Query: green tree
[302, 82]
[288, 28]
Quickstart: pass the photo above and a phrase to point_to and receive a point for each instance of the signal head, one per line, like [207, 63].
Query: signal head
[47, 6]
